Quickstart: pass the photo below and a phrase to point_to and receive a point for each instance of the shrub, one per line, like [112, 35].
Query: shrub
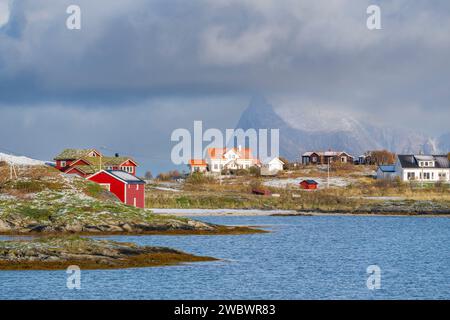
[167, 176]
[198, 178]
[255, 171]
[29, 186]
[93, 189]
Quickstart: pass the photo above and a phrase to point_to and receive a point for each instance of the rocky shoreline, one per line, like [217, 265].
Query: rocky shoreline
[20, 225]
[58, 253]
[399, 208]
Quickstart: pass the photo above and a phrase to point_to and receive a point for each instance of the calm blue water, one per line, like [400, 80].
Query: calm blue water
[303, 258]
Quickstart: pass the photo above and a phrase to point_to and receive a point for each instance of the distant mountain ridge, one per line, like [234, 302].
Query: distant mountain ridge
[303, 130]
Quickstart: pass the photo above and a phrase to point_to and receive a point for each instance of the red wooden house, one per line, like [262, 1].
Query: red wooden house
[308, 184]
[128, 188]
[85, 162]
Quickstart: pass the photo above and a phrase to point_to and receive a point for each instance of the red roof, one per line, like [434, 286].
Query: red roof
[197, 162]
[219, 153]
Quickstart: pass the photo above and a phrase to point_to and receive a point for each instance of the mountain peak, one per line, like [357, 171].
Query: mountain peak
[306, 128]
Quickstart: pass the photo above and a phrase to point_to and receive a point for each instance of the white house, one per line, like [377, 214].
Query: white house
[272, 166]
[423, 168]
[218, 159]
[198, 165]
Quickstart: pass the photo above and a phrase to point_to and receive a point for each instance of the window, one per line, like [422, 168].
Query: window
[411, 176]
[216, 166]
[128, 169]
[62, 164]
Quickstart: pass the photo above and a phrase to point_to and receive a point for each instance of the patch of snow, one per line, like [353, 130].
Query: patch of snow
[166, 189]
[313, 118]
[6, 197]
[283, 183]
[20, 160]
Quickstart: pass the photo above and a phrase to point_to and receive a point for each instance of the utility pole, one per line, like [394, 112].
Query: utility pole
[328, 174]
[12, 170]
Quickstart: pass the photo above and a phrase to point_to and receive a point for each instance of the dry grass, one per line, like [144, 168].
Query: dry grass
[235, 193]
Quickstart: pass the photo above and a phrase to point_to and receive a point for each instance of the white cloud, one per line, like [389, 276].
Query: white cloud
[4, 12]
[249, 46]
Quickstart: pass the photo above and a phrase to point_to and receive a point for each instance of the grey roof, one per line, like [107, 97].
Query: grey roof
[422, 157]
[125, 176]
[410, 160]
[387, 168]
[326, 153]
[442, 161]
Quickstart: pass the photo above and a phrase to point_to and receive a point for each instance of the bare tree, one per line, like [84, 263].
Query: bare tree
[148, 175]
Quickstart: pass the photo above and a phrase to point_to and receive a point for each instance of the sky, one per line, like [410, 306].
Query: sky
[138, 69]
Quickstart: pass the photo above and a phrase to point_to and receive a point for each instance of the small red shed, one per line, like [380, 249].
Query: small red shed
[308, 184]
[261, 192]
[128, 188]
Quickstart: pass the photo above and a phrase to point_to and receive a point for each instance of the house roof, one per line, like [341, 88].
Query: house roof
[325, 153]
[107, 161]
[219, 153]
[83, 169]
[276, 159]
[410, 161]
[125, 176]
[120, 175]
[197, 162]
[83, 154]
[72, 154]
[387, 168]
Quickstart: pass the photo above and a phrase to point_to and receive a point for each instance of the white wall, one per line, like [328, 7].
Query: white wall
[433, 174]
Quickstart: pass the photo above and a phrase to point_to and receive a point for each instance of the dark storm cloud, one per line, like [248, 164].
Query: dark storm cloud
[142, 48]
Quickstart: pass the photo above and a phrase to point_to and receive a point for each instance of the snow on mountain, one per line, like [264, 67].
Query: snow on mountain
[20, 160]
[304, 129]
